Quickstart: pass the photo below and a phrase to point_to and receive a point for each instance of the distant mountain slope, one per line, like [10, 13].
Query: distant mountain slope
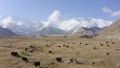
[111, 32]
[88, 31]
[49, 30]
[6, 32]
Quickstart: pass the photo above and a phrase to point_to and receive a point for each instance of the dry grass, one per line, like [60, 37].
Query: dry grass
[85, 53]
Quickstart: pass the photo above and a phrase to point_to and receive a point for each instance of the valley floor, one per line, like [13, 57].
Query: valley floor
[72, 51]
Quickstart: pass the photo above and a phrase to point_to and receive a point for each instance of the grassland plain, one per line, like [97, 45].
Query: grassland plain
[75, 52]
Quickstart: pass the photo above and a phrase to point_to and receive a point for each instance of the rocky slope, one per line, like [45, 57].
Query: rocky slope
[88, 32]
[111, 32]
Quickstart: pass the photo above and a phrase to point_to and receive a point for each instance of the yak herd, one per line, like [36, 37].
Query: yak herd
[58, 59]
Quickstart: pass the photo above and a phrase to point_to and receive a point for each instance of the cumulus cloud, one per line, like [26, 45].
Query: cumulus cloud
[55, 16]
[68, 25]
[19, 23]
[52, 20]
[117, 13]
[111, 12]
[107, 10]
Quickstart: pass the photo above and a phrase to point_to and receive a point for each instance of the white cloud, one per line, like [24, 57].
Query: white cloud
[54, 19]
[55, 16]
[69, 24]
[19, 23]
[111, 12]
[4, 22]
[117, 13]
[105, 9]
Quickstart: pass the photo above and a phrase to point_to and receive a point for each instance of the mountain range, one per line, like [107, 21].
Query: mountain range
[28, 27]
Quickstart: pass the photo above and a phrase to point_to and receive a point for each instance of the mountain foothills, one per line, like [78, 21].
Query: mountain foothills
[49, 30]
[6, 32]
[111, 32]
[88, 32]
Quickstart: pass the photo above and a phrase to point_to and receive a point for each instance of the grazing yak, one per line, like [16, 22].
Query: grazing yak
[15, 54]
[36, 63]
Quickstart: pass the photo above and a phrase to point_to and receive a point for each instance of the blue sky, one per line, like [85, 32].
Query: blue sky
[41, 9]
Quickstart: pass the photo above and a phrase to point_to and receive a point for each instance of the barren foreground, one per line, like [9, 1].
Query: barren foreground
[59, 52]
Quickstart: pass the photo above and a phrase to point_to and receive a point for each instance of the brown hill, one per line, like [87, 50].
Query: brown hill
[111, 32]
[88, 32]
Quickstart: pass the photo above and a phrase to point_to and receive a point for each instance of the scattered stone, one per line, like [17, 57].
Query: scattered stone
[52, 63]
[68, 61]
[79, 62]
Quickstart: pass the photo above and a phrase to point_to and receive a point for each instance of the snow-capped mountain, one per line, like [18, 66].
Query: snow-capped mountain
[75, 24]
[71, 25]
[20, 26]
